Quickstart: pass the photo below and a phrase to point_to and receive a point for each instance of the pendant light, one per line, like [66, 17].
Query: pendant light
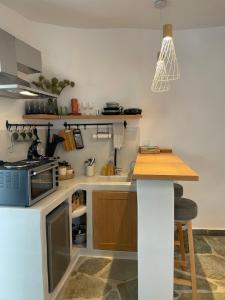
[160, 83]
[167, 68]
[168, 54]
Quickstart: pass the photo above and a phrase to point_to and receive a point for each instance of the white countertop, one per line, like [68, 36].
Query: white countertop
[68, 187]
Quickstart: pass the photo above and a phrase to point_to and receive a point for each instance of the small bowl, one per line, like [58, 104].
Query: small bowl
[69, 171]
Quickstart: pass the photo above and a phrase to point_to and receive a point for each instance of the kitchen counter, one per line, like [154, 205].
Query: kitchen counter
[68, 187]
[155, 174]
[23, 235]
[163, 166]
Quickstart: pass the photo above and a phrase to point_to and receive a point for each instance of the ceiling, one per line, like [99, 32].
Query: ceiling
[184, 14]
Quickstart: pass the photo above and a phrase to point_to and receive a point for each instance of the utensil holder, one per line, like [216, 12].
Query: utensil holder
[90, 170]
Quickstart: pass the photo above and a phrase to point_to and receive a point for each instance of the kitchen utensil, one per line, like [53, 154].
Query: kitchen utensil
[51, 146]
[80, 238]
[112, 110]
[118, 135]
[56, 139]
[132, 111]
[78, 139]
[165, 150]
[69, 142]
[103, 135]
[112, 104]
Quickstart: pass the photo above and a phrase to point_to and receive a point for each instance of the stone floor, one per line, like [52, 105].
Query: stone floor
[116, 279]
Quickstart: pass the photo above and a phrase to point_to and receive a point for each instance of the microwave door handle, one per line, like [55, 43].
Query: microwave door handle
[34, 173]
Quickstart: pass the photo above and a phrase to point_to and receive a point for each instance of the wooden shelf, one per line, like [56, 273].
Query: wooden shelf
[82, 117]
[81, 210]
[101, 117]
[41, 117]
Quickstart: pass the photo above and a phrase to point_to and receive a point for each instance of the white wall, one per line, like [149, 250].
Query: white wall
[119, 65]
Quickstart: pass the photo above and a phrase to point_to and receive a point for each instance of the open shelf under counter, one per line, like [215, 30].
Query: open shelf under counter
[81, 117]
[78, 246]
[81, 210]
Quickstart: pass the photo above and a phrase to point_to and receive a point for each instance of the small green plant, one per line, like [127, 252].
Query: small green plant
[54, 85]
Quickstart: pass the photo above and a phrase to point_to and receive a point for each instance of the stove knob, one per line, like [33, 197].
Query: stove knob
[57, 178]
[57, 184]
[56, 172]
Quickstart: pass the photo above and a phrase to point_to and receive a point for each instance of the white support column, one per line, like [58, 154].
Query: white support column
[155, 239]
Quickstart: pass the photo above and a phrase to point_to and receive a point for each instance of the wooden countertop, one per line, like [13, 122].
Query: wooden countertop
[163, 166]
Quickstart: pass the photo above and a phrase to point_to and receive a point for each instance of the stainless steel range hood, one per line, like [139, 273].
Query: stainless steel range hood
[17, 56]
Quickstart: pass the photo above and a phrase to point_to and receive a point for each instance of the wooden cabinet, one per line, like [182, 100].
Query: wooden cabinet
[115, 220]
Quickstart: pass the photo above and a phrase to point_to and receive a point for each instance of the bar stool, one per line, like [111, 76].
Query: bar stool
[185, 210]
[178, 193]
[178, 190]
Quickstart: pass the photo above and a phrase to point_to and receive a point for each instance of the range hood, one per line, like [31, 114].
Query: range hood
[17, 56]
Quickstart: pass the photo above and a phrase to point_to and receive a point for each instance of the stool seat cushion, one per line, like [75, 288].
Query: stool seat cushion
[185, 209]
[178, 190]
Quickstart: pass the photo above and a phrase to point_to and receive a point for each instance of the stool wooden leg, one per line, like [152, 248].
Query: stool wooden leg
[181, 246]
[192, 260]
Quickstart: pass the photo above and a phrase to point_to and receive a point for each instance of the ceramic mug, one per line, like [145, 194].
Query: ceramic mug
[29, 135]
[15, 135]
[22, 135]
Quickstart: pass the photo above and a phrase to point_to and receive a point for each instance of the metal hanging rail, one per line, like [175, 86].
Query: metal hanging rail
[9, 125]
[90, 124]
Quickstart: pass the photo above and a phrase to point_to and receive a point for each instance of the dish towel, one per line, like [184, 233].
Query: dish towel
[118, 135]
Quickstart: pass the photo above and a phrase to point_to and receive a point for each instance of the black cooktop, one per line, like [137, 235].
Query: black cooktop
[25, 164]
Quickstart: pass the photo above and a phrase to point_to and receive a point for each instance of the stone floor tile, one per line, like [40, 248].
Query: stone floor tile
[210, 266]
[201, 246]
[217, 243]
[129, 290]
[202, 284]
[204, 296]
[92, 266]
[83, 286]
[120, 269]
[113, 295]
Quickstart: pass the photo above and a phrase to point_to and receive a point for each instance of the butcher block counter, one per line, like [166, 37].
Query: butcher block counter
[155, 175]
[164, 166]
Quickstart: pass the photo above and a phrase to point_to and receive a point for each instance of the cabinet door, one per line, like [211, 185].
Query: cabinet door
[115, 220]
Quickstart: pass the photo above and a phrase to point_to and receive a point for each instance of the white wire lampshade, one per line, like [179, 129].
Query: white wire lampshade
[160, 84]
[168, 55]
